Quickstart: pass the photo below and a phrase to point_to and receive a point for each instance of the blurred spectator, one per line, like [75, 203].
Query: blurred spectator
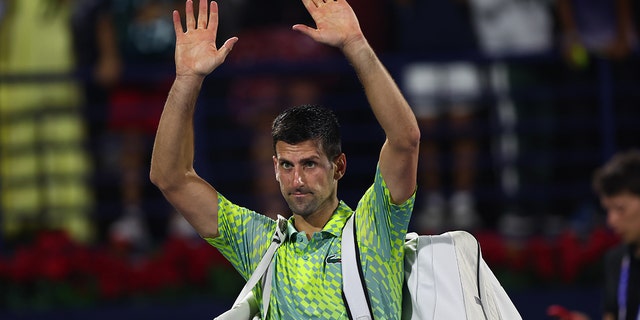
[508, 29]
[146, 42]
[617, 183]
[598, 38]
[99, 67]
[444, 94]
[97, 59]
[596, 42]
[627, 77]
[43, 165]
[603, 28]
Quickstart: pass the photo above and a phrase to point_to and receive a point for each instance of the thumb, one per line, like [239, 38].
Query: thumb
[310, 32]
[228, 46]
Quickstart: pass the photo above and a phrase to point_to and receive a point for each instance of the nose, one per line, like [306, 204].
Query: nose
[612, 219]
[298, 177]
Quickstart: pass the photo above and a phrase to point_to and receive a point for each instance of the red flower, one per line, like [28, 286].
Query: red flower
[570, 253]
[23, 266]
[600, 240]
[113, 275]
[55, 267]
[543, 257]
[493, 248]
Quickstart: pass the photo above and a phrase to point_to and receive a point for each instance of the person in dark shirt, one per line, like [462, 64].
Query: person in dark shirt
[617, 184]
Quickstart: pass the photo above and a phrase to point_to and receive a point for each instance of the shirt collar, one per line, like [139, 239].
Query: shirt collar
[333, 227]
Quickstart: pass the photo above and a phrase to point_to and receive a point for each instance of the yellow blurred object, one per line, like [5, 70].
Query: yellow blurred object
[579, 56]
[44, 167]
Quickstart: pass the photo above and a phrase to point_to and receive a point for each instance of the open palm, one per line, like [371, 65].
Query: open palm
[196, 52]
[336, 23]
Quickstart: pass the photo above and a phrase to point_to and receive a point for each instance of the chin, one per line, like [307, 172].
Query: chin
[297, 210]
[300, 208]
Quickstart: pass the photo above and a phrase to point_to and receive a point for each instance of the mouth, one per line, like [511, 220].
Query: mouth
[299, 193]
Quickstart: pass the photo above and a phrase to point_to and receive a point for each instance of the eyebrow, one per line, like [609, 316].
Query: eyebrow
[307, 159]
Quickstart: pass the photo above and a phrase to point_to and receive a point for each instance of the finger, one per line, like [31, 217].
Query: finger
[202, 14]
[227, 47]
[213, 17]
[191, 20]
[310, 4]
[310, 32]
[177, 23]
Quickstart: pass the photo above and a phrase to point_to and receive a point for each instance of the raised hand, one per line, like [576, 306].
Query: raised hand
[196, 52]
[336, 23]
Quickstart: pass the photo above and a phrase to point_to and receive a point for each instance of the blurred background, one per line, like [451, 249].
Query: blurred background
[519, 102]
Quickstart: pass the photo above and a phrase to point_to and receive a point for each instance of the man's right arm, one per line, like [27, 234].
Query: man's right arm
[172, 160]
[173, 151]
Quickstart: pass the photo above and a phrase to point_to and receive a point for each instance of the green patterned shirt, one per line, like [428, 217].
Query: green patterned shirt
[307, 280]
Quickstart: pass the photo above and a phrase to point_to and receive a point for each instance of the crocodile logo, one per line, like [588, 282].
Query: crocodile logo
[333, 259]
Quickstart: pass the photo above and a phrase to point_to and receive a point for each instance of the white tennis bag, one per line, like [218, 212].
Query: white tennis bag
[445, 278]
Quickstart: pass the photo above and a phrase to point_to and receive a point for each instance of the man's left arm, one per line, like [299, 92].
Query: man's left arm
[399, 154]
[337, 25]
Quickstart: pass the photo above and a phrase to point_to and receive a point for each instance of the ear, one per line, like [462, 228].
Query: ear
[275, 168]
[340, 166]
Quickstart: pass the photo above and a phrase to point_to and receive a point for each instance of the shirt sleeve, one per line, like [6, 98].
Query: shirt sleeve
[244, 236]
[384, 224]
[381, 227]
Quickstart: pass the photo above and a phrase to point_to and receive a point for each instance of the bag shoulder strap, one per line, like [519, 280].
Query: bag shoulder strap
[491, 296]
[353, 284]
[279, 236]
[469, 255]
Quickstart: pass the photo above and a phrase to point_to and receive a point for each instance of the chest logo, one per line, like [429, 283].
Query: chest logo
[333, 259]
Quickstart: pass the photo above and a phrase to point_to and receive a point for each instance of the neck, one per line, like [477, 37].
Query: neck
[313, 223]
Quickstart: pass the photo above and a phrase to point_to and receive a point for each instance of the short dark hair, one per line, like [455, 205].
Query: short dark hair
[308, 122]
[620, 174]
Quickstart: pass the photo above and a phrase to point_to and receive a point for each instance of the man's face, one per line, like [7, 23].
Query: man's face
[308, 179]
[623, 215]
